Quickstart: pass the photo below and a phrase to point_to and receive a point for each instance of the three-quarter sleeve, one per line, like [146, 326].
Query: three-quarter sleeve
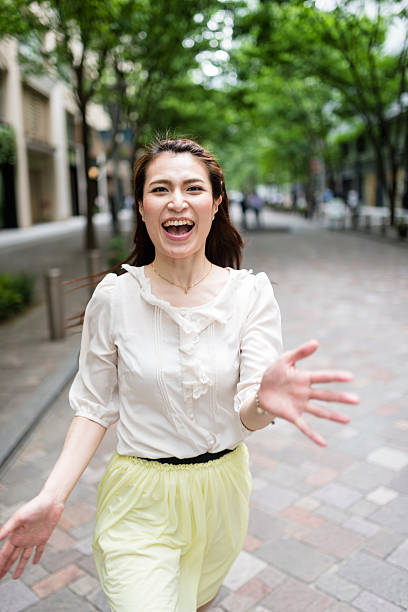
[261, 341]
[92, 391]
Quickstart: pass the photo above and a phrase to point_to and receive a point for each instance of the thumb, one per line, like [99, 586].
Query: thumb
[302, 351]
[9, 526]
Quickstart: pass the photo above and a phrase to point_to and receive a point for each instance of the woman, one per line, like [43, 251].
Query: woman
[183, 351]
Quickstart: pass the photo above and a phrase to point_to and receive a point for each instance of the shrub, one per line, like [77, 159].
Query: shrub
[7, 144]
[118, 251]
[16, 292]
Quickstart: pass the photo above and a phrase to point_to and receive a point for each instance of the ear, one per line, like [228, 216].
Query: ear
[141, 210]
[216, 204]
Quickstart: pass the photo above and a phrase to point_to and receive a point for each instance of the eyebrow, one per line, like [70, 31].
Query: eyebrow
[168, 182]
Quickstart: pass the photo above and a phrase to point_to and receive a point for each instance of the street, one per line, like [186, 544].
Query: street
[328, 528]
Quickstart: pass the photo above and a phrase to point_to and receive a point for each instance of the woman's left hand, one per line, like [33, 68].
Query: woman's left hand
[287, 392]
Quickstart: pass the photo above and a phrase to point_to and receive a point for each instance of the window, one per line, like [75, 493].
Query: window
[36, 115]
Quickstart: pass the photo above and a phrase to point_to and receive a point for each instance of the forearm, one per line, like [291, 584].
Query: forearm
[81, 442]
[251, 419]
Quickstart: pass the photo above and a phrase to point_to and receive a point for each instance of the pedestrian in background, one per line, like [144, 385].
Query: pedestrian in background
[244, 207]
[183, 351]
[255, 203]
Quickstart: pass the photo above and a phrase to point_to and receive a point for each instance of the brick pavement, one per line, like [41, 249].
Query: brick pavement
[328, 528]
[31, 367]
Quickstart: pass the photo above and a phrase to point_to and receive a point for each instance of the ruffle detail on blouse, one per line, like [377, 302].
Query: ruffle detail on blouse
[197, 369]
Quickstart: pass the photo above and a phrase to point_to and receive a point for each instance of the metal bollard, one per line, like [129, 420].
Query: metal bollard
[367, 219]
[384, 224]
[94, 265]
[55, 306]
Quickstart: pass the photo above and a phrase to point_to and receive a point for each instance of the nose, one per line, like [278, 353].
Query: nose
[177, 201]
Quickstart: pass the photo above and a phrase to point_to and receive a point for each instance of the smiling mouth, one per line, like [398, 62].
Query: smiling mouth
[178, 228]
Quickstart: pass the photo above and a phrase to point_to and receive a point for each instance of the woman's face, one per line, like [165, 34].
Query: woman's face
[178, 204]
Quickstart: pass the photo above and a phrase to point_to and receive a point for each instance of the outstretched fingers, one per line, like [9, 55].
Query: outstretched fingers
[5, 554]
[25, 556]
[11, 556]
[38, 553]
[309, 432]
[327, 395]
[324, 413]
[327, 376]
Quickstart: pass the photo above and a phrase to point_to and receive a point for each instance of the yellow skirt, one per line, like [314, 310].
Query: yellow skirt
[166, 535]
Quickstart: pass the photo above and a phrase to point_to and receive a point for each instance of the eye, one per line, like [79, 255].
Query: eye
[195, 188]
[159, 189]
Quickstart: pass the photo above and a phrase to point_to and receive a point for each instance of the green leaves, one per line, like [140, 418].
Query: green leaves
[266, 83]
[16, 292]
[303, 70]
[7, 144]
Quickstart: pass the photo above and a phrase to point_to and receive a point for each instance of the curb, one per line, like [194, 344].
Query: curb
[32, 410]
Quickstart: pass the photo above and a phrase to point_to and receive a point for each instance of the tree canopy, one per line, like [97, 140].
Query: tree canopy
[267, 85]
[340, 59]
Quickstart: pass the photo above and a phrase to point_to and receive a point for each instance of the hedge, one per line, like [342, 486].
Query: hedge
[16, 292]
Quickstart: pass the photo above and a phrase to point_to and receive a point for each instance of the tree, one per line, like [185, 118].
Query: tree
[71, 39]
[149, 69]
[13, 20]
[345, 49]
[148, 87]
[136, 57]
[83, 34]
[290, 119]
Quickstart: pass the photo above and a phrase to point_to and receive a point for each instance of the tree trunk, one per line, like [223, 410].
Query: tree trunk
[405, 165]
[135, 145]
[392, 191]
[382, 175]
[90, 236]
[116, 192]
[115, 111]
[388, 184]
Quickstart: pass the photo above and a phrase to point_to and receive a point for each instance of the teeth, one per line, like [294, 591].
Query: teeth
[180, 222]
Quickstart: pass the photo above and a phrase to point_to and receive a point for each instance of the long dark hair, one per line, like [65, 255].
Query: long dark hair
[224, 243]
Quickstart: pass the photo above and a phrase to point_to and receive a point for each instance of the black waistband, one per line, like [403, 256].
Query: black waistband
[200, 459]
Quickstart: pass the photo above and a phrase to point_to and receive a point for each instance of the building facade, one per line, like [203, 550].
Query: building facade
[48, 174]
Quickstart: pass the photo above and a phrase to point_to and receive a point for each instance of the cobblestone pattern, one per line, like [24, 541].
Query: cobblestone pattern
[328, 528]
[28, 358]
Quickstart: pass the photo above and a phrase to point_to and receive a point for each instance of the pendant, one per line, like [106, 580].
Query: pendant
[186, 291]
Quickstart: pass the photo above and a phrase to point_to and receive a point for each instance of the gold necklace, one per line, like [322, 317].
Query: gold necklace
[185, 289]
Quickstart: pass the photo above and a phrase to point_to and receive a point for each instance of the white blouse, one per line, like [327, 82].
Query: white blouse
[173, 377]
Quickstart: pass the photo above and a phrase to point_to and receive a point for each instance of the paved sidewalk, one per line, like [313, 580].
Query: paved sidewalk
[34, 370]
[328, 528]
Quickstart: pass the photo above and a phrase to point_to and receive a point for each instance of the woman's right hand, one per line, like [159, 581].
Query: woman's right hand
[29, 528]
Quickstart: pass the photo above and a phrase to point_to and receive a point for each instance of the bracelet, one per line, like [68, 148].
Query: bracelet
[259, 408]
